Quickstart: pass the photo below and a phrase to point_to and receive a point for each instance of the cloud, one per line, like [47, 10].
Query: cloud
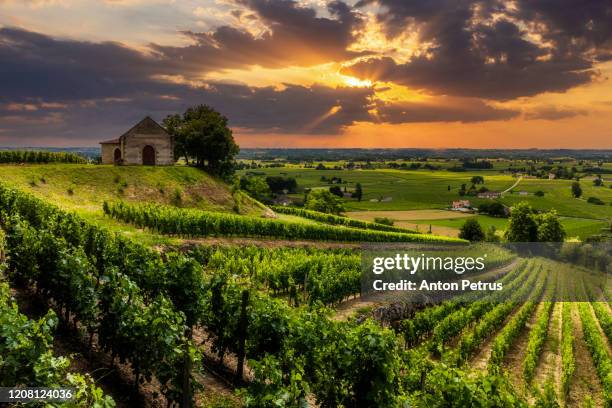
[295, 36]
[553, 113]
[86, 89]
[482, 49]
[444, 109]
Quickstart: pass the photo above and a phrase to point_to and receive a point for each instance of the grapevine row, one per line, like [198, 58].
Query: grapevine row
[327, 276]
[598, 348]
[83, 270]
[537, 337]
[337, 220]
[455, 322]
[31, 156]
[567, 348]
[193, 223]
[511, 331]
[472, 339]
[422, 323]
[26, 347]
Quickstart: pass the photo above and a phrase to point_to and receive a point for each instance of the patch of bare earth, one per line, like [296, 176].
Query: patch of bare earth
[516, 354]
[481, 359]
[549, 365]
[585, 382]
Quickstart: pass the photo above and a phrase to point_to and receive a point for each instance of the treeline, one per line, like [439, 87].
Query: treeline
[338, 220]
[194, 223]
[37, 157]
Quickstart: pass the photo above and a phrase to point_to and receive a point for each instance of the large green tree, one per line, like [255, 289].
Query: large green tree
[526, 225]
[202, 135]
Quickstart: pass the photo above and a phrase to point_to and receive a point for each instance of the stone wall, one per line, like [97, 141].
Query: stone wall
[135, 142]
[108, 153]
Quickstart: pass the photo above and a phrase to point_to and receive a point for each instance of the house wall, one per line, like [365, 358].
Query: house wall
[107, 153]
[162, 144]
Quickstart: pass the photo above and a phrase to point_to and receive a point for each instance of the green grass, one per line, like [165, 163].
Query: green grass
[83, 188]
[422, 189]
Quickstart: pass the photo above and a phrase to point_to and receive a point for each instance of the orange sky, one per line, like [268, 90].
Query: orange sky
[311, 73]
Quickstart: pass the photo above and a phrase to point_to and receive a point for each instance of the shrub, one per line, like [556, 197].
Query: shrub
[595, 200]
[384, 221]
[471, 230]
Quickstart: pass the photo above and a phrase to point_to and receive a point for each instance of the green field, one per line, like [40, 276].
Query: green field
[401, 190]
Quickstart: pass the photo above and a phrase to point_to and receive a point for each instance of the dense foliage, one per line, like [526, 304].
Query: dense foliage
[39, 157]
[191, 222]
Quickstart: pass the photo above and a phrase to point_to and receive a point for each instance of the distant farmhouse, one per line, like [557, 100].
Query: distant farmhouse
[461, 204]
[146, 143]
[491, 195]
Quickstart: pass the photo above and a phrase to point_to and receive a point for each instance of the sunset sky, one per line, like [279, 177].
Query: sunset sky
[313, 73]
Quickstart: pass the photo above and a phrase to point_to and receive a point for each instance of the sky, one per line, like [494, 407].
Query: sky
[312, 73]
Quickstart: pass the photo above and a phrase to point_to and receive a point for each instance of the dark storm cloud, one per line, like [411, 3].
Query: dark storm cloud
[445, 109]
[470, 53]
[296, 36]
[587, 23]
[62, 83]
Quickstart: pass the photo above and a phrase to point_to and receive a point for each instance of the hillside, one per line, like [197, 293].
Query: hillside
[84, 188]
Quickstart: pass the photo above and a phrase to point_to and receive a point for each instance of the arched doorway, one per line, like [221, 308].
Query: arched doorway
[117, 155]
[148, 156]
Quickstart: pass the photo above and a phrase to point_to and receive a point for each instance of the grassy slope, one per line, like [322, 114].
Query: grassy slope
[92, 184]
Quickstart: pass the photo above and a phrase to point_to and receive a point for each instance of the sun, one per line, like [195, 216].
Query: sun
[356, 82]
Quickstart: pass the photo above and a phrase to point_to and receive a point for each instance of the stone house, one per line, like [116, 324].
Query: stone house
[146, 143]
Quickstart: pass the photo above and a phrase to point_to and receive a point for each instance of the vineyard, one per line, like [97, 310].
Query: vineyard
[197, 223]
[38, 157]
[336, 220]
[266, 315]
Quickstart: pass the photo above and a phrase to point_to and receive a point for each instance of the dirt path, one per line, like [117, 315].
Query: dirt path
[514, 185]
[585, 382]
[549, 365]
[516, 354]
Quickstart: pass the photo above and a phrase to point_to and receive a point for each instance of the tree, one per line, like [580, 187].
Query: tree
[598, 182]
[522, 226]
[549, 227]
[471, 230]
[336, 190]
[324, 201]
[202, 134]
[528, 226]
[576, 189]
[477, 180]
[256, 187]
[358, 192]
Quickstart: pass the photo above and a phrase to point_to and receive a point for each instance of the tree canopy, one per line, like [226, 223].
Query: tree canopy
[324, 201]
[202, 134]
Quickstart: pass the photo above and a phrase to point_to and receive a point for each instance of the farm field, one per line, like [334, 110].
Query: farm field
[417, 199]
